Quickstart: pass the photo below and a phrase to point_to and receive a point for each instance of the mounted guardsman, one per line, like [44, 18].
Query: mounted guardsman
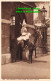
[22, 40]
[29, 39]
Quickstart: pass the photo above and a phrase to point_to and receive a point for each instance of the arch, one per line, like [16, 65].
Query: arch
[15, 31]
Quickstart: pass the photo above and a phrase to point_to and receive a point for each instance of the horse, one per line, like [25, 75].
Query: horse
[31, 43]
[30, 40]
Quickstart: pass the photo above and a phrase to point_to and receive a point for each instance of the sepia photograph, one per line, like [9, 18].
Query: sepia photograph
[25, 40]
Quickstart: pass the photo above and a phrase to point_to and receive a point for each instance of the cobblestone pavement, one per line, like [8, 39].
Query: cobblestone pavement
[39, 69]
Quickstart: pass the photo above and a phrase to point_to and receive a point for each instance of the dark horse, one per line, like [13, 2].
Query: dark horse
[32, 42]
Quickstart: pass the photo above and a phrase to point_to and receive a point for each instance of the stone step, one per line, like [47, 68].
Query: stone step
[6, 58]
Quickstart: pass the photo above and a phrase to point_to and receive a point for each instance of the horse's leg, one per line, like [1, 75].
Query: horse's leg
[30, 55]
[35, 53]
[20, 49]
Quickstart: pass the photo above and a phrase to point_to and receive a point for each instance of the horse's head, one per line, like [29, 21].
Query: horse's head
[36, 35]
[39, 33]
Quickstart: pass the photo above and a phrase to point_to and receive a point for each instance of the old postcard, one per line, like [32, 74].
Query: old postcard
[25, 40]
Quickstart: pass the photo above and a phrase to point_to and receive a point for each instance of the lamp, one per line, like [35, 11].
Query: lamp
[12, 19]
[44, 11]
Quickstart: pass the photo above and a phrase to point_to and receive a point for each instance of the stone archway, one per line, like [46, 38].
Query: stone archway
[15, 29]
